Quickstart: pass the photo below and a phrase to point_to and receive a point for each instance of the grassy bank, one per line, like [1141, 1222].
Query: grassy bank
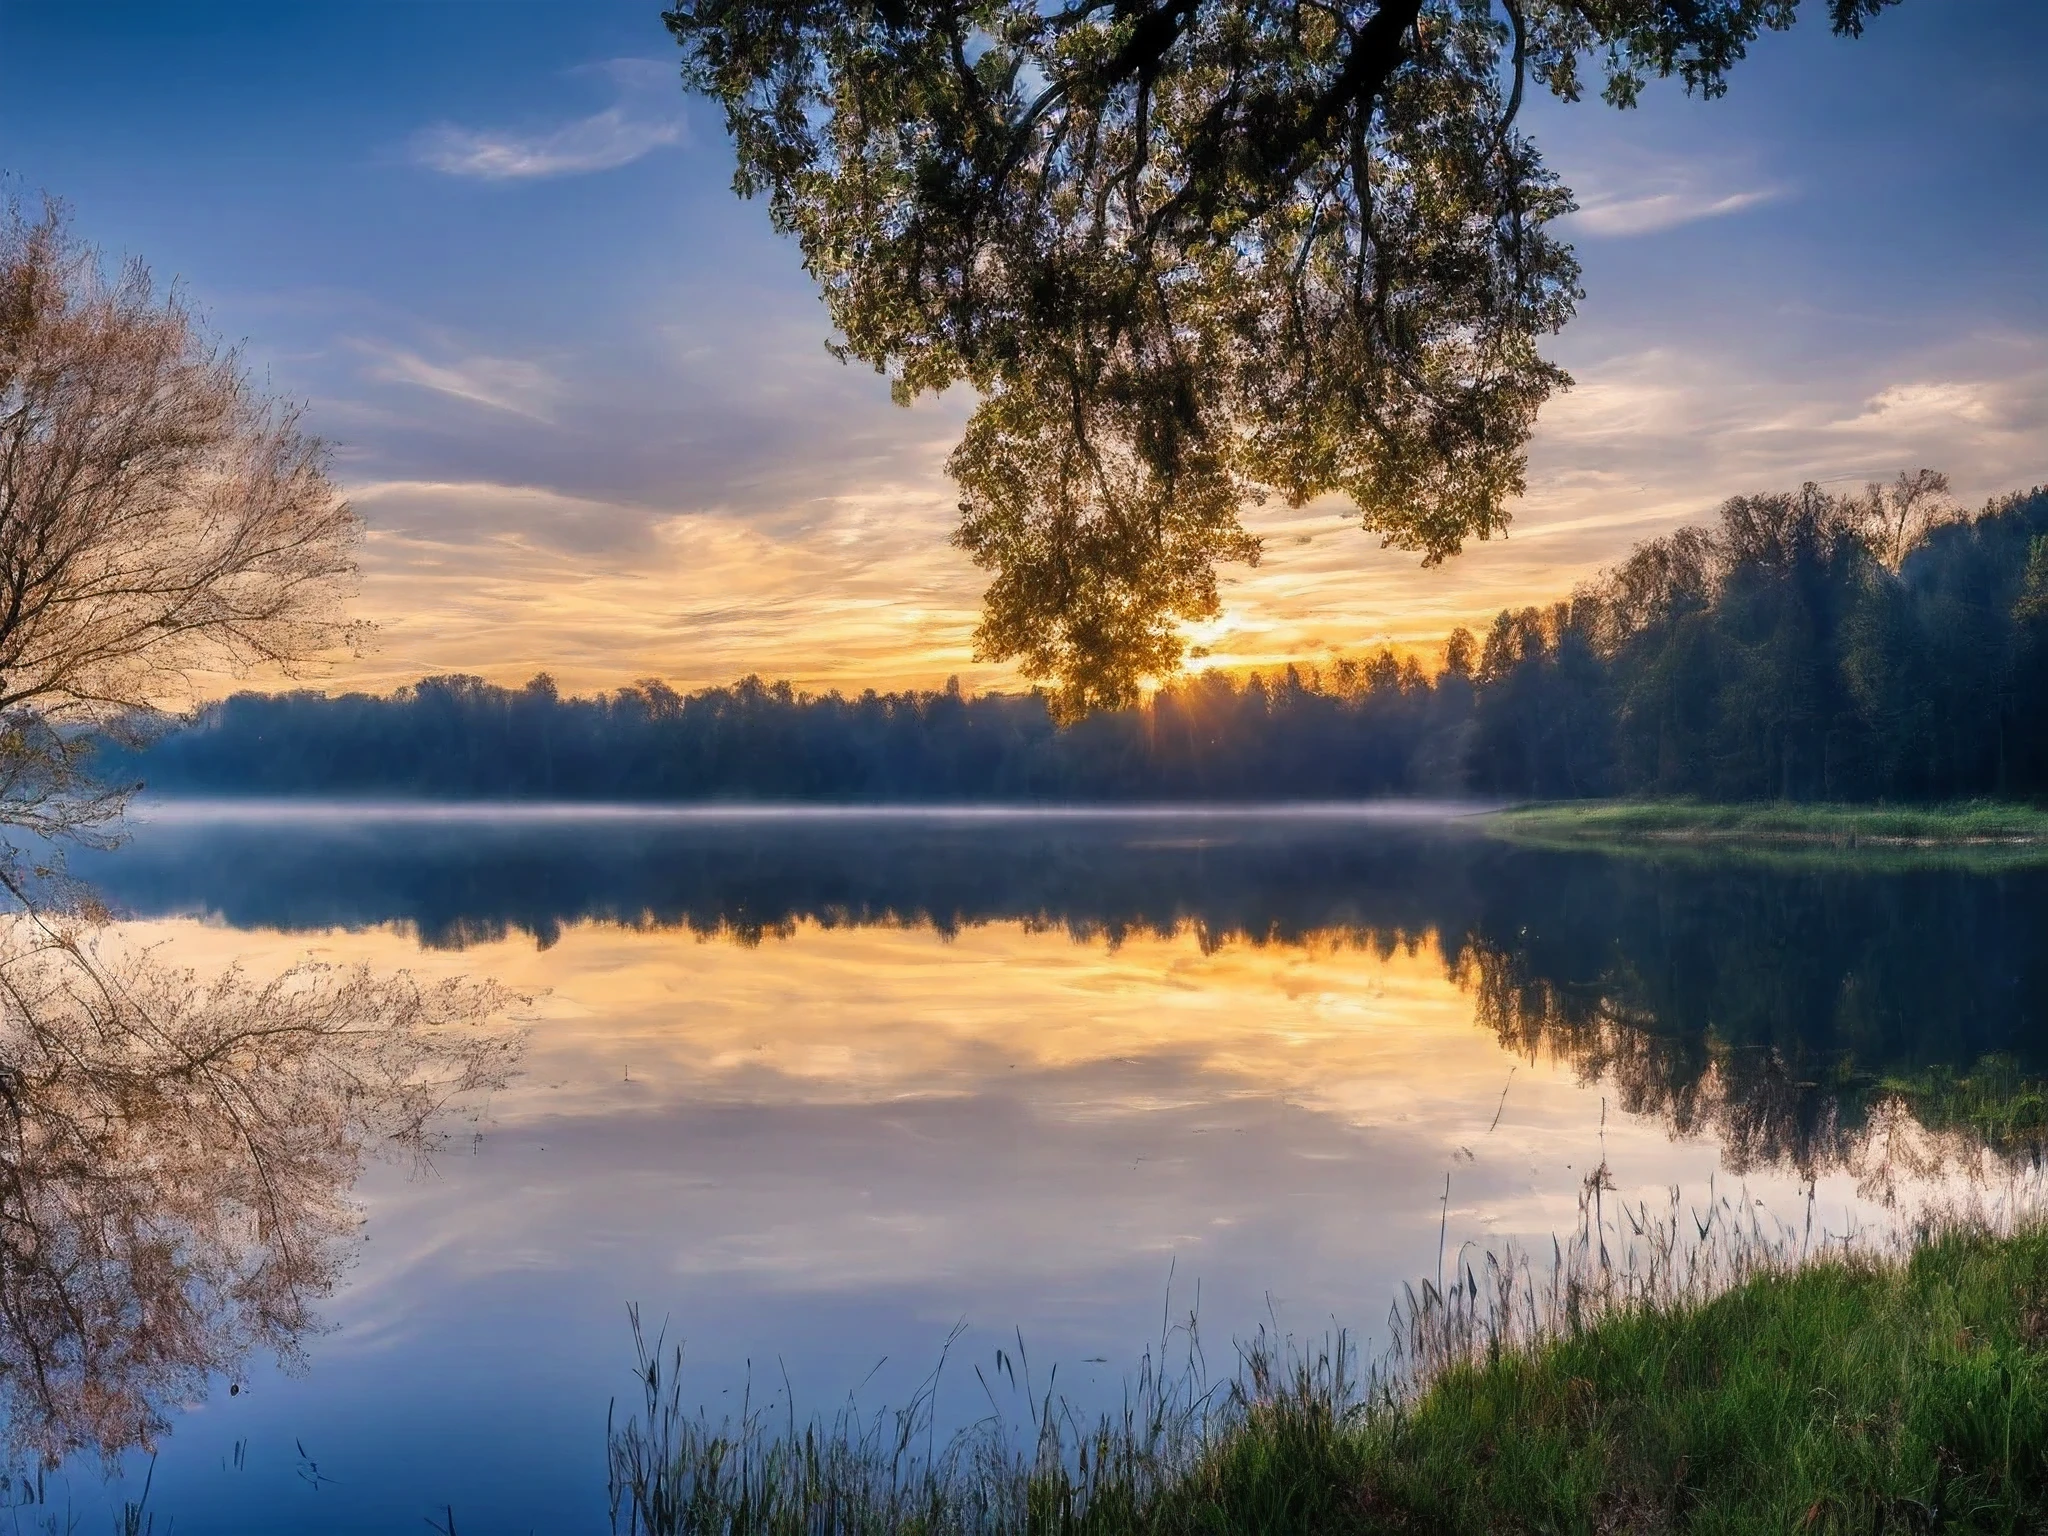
[1718, 1387]
[1983, 833]
[1842, 1396]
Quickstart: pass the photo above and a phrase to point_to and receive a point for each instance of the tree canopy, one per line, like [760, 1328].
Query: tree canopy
[1190, 254]
[159, 517]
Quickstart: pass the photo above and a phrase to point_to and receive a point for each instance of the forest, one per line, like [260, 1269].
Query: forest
[1808, 645]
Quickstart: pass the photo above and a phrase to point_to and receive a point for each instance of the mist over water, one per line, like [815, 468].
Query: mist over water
[815, 1088]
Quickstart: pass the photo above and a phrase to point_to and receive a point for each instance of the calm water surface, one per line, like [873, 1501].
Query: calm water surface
[815, 1089]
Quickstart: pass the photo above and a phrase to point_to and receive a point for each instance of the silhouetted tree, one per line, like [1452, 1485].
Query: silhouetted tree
[1788, 651]
[1189, 253]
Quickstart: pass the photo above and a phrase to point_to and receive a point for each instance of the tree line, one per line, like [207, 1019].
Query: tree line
[1807, 645]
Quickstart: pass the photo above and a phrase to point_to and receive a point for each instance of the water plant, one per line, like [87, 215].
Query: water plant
[1694, 1367]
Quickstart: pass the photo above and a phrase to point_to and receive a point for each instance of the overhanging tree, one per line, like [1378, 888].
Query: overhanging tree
[1190, 254]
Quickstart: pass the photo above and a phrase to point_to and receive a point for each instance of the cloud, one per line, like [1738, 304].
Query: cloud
[636, 74]
[1936, 404]
[600, 142]
[505, 580]
[1628, 191]
[501, 383]
[641, 120]
[488, 517]
[1648, 213]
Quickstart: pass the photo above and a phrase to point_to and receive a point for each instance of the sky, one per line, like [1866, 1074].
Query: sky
[580, 395]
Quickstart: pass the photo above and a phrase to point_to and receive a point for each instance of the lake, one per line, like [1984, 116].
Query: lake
[814, 1090]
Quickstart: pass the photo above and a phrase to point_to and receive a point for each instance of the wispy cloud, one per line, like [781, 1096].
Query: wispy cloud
[641, 121]
[1646, 213]
[597, 143]
[1625, 191]
[1918, 407]
[501, 383]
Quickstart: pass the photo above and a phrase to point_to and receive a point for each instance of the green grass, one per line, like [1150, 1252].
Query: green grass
[1989, 834]
[1654, 1382]
[1993, 1103]
[1844, 1396]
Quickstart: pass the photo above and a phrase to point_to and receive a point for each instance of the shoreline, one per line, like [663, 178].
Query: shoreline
[1739, 1385]
[1977, 831]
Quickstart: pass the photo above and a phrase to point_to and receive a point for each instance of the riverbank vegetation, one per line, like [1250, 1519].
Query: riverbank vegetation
[1809, 647]
[1670, 1373]
[1984, 835]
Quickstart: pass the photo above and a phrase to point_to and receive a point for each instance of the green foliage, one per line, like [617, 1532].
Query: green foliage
[2006, 834]
[1721, 1386]
[2032, 607]
[1188, 253]
[1844, 1397]
[1809, 646]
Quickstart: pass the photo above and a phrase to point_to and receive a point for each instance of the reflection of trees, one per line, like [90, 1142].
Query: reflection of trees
[1763, 1109]
[1887, 1025]
[458, 883]
[175, 1156]
[1783, 1012]
[175, 1162]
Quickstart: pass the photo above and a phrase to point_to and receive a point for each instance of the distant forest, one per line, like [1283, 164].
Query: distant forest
[1809, 646]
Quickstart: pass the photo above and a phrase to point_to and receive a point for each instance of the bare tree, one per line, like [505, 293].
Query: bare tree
[1895, 518]
[176, 1153]
[158, 515]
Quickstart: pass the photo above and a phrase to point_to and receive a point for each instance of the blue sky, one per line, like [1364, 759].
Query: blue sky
[579, 391]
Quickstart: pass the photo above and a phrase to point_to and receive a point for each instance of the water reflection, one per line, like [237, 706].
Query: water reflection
[817, 1090]
[177, 1156]
[1789, 1014]
[1786, 1012]
[463, 881]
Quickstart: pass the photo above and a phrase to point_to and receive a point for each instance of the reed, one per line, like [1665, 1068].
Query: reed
[1677, 1368]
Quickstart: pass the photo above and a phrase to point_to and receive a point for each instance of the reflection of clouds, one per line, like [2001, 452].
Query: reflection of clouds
[823, 1152]
[872, 1108]
[1003, 1057]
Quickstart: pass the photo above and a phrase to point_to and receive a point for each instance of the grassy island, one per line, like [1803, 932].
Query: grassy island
[1848, 1394]
[1979, 832]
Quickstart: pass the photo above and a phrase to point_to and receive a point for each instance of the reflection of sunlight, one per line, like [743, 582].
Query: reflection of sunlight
[1154, 1035]
[859, 1014]
[829, 1147]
